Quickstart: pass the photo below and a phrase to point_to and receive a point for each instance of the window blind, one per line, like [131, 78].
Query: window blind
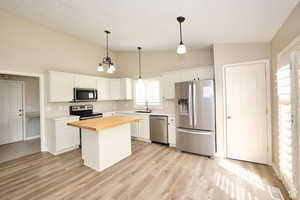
[148, 92]
[284, 86]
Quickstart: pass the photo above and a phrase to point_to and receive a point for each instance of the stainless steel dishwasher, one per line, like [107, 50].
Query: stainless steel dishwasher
[159, 128]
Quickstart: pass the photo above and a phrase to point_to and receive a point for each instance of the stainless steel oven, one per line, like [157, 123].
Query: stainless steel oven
[85, 94]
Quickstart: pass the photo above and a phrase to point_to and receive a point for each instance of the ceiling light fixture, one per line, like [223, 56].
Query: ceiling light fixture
[181, 47]
[107, 62]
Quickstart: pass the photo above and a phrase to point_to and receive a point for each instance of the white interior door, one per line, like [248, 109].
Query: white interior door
[246, 106]
[11, 111]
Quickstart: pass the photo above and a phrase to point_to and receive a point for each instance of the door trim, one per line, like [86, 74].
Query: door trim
[42, 102]
[268, 111]
[23, 105]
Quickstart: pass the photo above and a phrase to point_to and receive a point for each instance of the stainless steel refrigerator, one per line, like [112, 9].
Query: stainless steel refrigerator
[195, 117]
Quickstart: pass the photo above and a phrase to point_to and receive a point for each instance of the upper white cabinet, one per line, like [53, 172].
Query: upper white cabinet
[126, 89]
[115, 89]
[60, 86]
[168, 82]
[82, 81]
[103, 87]
[170, 78]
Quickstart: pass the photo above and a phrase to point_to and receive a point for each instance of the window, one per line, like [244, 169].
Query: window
[285, 122]
[147, 92]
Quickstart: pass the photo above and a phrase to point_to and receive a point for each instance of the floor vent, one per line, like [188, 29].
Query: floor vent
[275, 193]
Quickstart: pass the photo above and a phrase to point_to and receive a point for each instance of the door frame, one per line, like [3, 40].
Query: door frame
[23, 104]
[268, 111]
[42, 102]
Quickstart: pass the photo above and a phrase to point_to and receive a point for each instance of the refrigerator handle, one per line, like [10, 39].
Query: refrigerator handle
[190, 105]
[194, 104]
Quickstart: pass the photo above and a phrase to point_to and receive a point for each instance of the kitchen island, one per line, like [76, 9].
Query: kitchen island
[105, 141]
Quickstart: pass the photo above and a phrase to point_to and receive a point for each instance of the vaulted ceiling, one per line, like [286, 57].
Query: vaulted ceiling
[152, 24]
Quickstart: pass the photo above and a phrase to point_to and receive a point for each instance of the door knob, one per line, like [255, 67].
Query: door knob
[20, 115]
[20, 110]
[228, 117]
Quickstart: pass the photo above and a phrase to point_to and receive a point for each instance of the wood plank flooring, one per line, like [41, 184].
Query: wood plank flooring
[19, 149]
[154, 172]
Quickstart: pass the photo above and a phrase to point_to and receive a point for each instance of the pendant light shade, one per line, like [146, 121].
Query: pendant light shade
[107, 61]
[181, 49]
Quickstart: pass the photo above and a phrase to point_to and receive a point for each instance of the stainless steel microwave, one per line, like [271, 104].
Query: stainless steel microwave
[85, 94]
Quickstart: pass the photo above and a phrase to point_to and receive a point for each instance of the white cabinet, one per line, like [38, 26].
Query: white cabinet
[171, 131]
[170, 78]
[115, 89]
[60, 86]
[61, 137]
[82, 81]
[135, 129]
[144, 128]
[103, 87]
[126, 89]
[108, 114]
[140, 130]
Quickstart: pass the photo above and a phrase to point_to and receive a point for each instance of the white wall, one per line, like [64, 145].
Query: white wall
[155, 62]
[30, 47]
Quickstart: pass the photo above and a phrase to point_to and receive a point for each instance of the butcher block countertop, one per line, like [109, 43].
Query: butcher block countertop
[98, 124]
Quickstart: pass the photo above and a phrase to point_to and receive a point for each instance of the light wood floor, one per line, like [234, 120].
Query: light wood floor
[19, 149]
[153, 172]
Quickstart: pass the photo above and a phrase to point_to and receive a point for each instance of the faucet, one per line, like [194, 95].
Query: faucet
[147, 107]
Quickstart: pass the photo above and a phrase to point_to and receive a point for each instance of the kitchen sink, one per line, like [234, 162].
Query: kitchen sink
[143, 111]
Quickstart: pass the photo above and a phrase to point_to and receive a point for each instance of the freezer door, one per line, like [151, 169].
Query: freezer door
[204, 105]
[195, 141]
[184, 104]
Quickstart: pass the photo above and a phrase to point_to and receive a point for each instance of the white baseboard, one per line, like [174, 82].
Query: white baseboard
[33, 137]
[64, 150]
[141, 139]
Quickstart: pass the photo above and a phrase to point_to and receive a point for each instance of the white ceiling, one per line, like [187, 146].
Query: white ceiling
[152, 23]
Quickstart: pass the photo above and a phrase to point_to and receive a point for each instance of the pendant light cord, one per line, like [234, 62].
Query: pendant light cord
[139, 48]
[107, 44]
[180, 33]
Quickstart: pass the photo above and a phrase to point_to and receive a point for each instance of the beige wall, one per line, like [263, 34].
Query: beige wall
[231, 54]
[154, 63]
[286, 34]
[29, 47]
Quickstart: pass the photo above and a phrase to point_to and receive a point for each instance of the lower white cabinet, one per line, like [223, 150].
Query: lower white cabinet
[108, 114]
[144, 128]
[140, 130]
[61, 137]
[171, 131]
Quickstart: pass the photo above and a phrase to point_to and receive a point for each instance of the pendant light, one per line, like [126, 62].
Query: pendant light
[140, 81]
[181, 47]
[107, 61]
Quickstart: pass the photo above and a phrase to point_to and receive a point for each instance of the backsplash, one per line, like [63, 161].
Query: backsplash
[62, 109]
[167, 107]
